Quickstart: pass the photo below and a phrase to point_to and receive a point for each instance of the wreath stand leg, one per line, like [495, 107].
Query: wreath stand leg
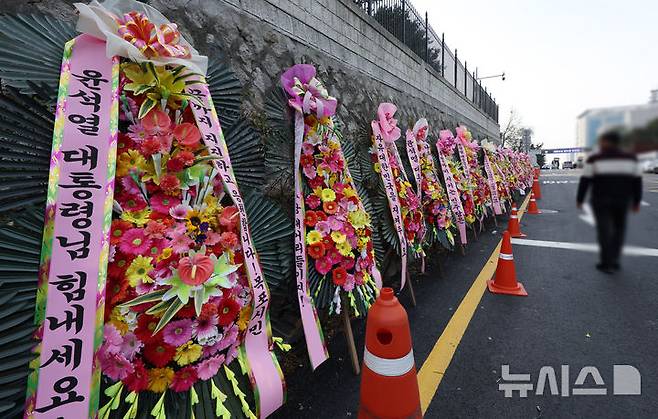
[495, 220]
[349, 336]
[463, 249]
[412, 294]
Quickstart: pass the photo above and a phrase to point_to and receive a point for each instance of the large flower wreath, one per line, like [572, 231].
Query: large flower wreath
[446, 146]
[435, 204]
[494, 156]
[480, 191]
[411, 208]
[178, 298]
[338, 229]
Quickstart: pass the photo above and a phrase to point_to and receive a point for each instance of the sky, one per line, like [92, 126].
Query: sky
[560, 57]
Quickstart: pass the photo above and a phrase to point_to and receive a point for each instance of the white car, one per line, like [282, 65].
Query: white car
[546, 167]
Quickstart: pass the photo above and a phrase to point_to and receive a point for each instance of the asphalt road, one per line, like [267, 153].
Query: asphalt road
[574, 315]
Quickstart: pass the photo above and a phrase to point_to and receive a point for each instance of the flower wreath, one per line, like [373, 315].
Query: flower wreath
[493, 154]
[436, 208]
[338, 229]
[446, 146]
[480, 192]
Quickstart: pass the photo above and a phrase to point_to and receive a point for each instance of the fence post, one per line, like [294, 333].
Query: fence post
[473, 86]
[404, 22]
[369, 8]
[427, 41]
[443, 49]
[465, 79]
[456, 61]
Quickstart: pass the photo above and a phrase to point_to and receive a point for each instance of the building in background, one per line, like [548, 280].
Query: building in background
[593, 122]
[526, 140]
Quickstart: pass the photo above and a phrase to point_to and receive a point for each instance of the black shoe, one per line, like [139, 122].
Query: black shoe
[616, 267]
[605, 268]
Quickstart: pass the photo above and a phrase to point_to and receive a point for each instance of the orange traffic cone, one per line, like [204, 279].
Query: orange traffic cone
[504, 280]
[389, 387]
[532, 208]
[537, 172]
[535, 187]
[513, 225]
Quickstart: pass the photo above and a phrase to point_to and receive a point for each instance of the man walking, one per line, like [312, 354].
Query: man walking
[616, 182]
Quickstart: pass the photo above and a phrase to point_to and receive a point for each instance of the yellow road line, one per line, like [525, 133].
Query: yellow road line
[436, 364]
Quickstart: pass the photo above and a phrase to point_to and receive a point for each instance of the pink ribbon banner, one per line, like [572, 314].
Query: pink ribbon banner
[453, 196]
[81, 183]
[414, 159]
[491, 181]
[317, 350]
[264, 368]
[392, 196]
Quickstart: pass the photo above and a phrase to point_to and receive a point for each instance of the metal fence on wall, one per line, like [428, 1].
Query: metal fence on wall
[401, 19]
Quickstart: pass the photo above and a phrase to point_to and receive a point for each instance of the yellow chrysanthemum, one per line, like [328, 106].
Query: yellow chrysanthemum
[313, 237]
[139, 270]
[344, 248]
[137, 217]
[131, 159]
[245, 316]
[328, 195]
[362, 242]
[377, 167]
[159, 379]
[338, 237]
[187, 353]
[349, 192]
[117, 320]
[359, 218]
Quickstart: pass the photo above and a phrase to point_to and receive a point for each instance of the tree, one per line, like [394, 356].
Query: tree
[514, 133]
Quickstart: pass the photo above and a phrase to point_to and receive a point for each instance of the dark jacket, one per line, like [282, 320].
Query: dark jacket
[615, 178]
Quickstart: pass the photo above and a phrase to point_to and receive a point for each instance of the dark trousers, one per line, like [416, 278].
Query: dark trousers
[611, 229]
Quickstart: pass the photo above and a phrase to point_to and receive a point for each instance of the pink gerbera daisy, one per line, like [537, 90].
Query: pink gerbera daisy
[137, 132]
[135, 242]
[112, 339]
[130, 346]
[179, 211]
[178, 332]
[162, 203]
[116, 366]
[206, 327]
[180, 243]
[209, 367]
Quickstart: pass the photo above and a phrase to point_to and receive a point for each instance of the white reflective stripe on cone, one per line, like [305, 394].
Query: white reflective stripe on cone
[506, 256]
[513, 217]
[389, 367]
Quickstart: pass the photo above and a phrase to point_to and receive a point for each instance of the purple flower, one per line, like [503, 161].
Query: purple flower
[209, 367]
[130, 346]
[308, 94]
[206, 328]
[178, 332]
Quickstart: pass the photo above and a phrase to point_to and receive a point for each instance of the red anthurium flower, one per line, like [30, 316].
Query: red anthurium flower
[195, 270]
[156, 121]
[187, 134]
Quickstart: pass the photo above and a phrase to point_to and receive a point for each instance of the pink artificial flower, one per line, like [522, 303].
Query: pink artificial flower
[178, 332]
[179, 211]
[230, 338]
[334, 162]
[307, 149]
[335, 223]
[208, 368]
[323, 265]
[137, 132]
[307, 93]
[207, 327]
[387, 124]
[212, 238]
[155, 230]
[420, 129]
[334, 256]
[129, 186]
[229, 218]
[180, 243]
[446, 142]
[309, 171]
[135, 242]
[163, 203]
[347, 263]
[156, 122]
[232, 353]
[116, 366]
[229, 240]
[358, 278]
[112, 339]
[323, 227]
[313, 201]
[349, 283]
[130, 346]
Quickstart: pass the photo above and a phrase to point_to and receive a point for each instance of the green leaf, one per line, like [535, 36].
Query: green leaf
[175, 306]
[146, 298]
[146, 107]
